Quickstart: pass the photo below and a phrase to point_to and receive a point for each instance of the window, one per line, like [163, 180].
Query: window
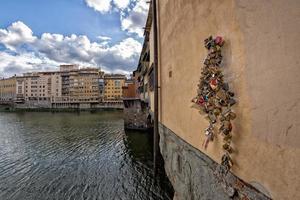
[151, 80]
[117, 83]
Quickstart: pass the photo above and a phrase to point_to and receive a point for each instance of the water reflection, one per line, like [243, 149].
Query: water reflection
[76, 156]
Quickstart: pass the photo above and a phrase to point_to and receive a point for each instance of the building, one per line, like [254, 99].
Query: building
[84, 85]
[264, 78]
[67, 68]
[144, 73]
[113, 87]
[71, 87]
[77, 87]
[8, 89]
[101, 85]
[20, 90]
[56, 83]
[129, 89]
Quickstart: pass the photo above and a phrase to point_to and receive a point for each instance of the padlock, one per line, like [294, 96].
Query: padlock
[218, 61]
[227, 138]
[212, 61]
[201, 101]
[212, 117]
[231, 94]
[213, 83]
[222, 102]
[206, 97]
[213, 48]
[217, 111]
[227, 125]
[221, 94]
[226, 111]
[206, 61]
[217, 104]
[227, 148]
[226, 161]
[232, 115]
[225, 87]
[224, 131]
[210, 107]
[212, 55]
[219, 41]
[231, 101]
[208, 42]
[209, 137]
[222, 118]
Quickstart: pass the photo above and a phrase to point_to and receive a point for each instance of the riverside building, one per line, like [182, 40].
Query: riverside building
[113, 87]
[8, 89]
[70, 87]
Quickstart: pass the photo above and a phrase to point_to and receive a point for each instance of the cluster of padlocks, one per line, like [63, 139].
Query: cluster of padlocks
[215, 99]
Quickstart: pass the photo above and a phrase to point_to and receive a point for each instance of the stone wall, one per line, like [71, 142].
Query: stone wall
[135, 114]
[195, 176]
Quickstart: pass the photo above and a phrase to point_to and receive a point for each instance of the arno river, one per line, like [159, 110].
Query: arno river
[76, 156]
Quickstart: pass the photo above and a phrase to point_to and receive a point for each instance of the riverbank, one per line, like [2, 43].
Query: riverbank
[13, 109]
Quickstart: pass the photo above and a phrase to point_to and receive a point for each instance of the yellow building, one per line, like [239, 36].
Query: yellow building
[264, 76]
[74, 85]
[8, 89]
[84, 85]
[113, 87]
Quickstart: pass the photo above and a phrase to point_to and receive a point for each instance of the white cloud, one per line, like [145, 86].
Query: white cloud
[21, 63]
[50, 50]
[127, 48]
[132, 19]
[15, 35]
[102, 6]
[104, 38]
[122, 4]
[136, 19]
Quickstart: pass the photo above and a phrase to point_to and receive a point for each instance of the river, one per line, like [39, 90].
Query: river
[76, 156]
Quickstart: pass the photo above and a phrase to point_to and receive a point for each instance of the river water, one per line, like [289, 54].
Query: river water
[76, 156]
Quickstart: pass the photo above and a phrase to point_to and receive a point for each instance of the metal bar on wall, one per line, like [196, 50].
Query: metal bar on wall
[156, 134]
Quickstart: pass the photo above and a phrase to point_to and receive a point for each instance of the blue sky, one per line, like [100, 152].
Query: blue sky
[41, 34]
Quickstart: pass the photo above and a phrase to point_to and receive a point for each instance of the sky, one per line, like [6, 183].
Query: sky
[38, 35]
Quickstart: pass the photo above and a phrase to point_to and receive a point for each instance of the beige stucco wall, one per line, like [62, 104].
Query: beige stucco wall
[261, 63]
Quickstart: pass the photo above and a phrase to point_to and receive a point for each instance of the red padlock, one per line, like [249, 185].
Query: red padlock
[219, 41]
[201, 101]
[213, 83]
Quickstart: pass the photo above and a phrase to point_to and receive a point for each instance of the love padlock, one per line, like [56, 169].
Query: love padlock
[215, 99]
[219, 41]
[213, 83]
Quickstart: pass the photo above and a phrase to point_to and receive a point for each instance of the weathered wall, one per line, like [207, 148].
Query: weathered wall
[261, 63]
[129, 91]
[135, 114]
[195, 176]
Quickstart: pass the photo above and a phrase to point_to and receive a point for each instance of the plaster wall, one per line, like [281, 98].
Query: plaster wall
[261, 64]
